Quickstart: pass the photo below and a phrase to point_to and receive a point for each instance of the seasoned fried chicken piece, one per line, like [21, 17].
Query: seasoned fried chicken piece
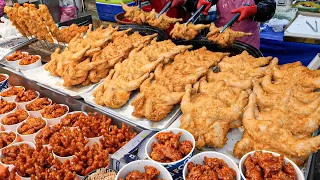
[180, 31]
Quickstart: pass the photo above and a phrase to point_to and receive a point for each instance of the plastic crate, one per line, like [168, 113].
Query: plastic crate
[107, 11]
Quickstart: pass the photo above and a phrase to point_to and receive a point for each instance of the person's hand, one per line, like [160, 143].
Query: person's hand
[207, 5]
[177, 3]
[245, 12]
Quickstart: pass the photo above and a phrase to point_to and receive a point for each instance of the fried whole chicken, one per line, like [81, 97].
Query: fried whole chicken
[129, 74]
[156, 99]
[226, 38]
[189, 32]
[66, 34]
[140, 17]
[271, 135]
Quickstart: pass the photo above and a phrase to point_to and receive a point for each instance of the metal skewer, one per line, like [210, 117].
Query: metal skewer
[195, 15]
[139, 4]
[165, 9]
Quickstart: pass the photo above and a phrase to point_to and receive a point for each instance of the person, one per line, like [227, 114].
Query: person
[2, 5]
[252, 12]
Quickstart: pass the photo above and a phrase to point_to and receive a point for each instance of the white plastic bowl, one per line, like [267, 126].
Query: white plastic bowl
[11, 166]
[10, 98]
[286, 160]
[22, 105]
[175, 168]
[54, 121]
[14, 141]
[31, 66]
[2, 115]
[23, 178]
[15, 64]
[198, 159]
[139, 165]
[37, 113]
[62, 159]
[28, 137]
[94, 140]
[12, 127]
[80, 177]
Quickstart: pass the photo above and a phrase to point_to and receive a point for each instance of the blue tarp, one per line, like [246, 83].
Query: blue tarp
[272, 44]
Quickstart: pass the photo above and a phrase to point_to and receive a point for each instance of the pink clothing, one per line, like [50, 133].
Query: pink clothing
[224, 8]
[2, 5]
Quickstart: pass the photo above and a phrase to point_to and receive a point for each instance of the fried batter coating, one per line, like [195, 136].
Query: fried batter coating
[14, 90]
[61, 171]
[17, 55]
[89, 159]
[8, 175]
[115, 138]
[225, 39]
[29, 60]
[54, 111]
[72, 120]
[6, 138]
[169, 149]
[11, 153]
[267, 166]
[6, 106]
[26, 96]
[67, 142]
[66, 34]
[151, 173]
[16, 117]
[213, 168]
[38, 104]
[189, 32]
[2, 77]
[32, 125]
[43, 136]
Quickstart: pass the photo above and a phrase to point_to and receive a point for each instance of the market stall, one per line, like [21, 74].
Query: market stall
[126, 102]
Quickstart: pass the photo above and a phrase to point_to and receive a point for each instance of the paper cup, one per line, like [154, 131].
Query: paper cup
[80, 177]
[63, 159]
[31, 66]
[5, 83]
[94, 140]
[286, 160]
[174, 168]
[28, 137]
[15, 64]
[23, 178]
[11, 166]
[54, 121]
[14, 141]
[22, 105]
[37, 113]
[12, 127]
[139, 165]
[10, 98]
[198, 159]
[2, 115]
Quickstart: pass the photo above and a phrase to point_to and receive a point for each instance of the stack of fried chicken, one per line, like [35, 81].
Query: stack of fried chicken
[38, 22]
[140, 17]
[156, 99]
[128, 75]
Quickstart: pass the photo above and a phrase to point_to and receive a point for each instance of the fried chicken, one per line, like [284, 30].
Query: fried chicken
[156, 99]
[140, 17]
[271, 135]
[66, 34]
[189, 32]
[226, 38]
[129, 74]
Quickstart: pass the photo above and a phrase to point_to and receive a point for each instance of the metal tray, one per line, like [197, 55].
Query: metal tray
[235, 49]
[74, 105]
[125, 113]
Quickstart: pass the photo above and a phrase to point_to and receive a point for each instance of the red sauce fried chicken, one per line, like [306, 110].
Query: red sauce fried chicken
[2, 77]
[72, 120]
[89, 159]
[6, 106]
[43, 136]
[169, 149]
[151, 173]
[61, 171]
[115, 138]
[267, 166]
[67, 142]
[32, 125]
[8, 175]
[29, 60]
[6, 138]
[11, 153]
[38, 104]
[12, 91]
[26, 96]
[213, 168]
[16, 117]
[54, 111]
[16, 56]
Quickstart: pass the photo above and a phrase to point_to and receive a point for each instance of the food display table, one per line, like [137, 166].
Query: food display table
[272, 44]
